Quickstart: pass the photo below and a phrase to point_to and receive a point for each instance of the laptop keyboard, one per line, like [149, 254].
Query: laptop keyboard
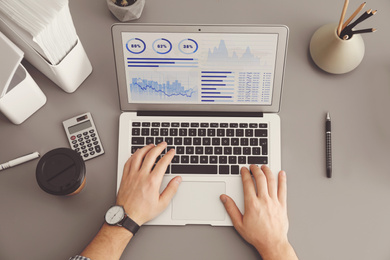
[205, 148]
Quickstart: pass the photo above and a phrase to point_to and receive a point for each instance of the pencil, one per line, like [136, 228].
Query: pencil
[364, 31]
[364, 16]
[342, 17]
[353, 15]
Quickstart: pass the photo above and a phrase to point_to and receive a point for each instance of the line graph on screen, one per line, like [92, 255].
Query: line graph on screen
[163, 87]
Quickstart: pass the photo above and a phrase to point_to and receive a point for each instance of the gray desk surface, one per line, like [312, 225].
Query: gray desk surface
[346, 217]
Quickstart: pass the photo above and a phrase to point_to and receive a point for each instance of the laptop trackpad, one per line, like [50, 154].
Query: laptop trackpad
[199, 201]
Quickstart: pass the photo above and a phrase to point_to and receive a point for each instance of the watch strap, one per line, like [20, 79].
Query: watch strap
[130, 225]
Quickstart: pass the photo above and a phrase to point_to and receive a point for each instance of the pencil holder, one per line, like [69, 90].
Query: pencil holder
[335, 55]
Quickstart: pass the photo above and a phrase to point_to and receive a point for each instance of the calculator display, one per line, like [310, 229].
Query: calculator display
[79, 127]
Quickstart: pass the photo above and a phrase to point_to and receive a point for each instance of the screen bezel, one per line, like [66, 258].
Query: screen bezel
[281, 52]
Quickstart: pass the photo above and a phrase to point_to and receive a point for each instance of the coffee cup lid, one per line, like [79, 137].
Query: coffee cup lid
[60, 171]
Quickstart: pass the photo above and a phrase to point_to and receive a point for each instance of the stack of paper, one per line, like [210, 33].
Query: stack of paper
[46, 25]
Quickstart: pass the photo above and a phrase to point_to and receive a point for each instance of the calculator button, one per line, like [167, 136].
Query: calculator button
[93, 135]
[96, 143]
[89, 145]
[97, 148]
[91, 131]
[84, 151]
[75, 145]
[94, 139]
[79, 135]
[86, 155]
[73, 137]
[86, 137]
[83, 147]
[88, 141]
[80, 139]
[74, 142]
[85, 133]
[92, 153]
[90, 149]
[82, 143]
[77, 150]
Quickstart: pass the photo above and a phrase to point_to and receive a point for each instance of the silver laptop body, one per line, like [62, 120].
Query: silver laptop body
[213, 93]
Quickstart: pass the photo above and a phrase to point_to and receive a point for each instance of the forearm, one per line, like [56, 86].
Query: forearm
[109, 243]
[282, 251]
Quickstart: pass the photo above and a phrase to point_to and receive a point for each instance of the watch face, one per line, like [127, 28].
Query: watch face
[115, 215]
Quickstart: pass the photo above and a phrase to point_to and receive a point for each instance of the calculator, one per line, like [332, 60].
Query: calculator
[83, 136]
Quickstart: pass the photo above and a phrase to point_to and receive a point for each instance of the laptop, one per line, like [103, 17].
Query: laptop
[212, 92]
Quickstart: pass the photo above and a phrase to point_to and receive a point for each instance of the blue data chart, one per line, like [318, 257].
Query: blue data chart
[162, 89]
[162, 46]
[254, 87]
[199, 68]
[136, 46]
[162, 63]
[267, 81]
[188, 46]
[217, 86]
[219, 56]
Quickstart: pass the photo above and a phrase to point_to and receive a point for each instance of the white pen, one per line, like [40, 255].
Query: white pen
[19, 160]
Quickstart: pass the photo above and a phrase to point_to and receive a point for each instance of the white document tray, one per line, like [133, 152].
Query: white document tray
[23, 97]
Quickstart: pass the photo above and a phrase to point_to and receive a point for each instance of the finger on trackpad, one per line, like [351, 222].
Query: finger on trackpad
[199, 201]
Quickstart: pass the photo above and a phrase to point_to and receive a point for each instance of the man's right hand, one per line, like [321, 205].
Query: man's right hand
[264, 223]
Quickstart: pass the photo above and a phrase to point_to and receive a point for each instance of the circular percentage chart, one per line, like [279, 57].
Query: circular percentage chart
[136, 46]
[188, 46]
[162, 46]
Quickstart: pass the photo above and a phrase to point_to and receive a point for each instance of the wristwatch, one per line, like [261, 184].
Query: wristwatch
[116, 216]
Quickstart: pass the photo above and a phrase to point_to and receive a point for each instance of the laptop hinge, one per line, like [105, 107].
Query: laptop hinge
[200, 114]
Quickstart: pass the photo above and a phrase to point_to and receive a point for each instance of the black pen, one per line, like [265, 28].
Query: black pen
[328, 146]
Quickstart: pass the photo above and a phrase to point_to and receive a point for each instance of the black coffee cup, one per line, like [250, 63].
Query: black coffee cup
[61, 172]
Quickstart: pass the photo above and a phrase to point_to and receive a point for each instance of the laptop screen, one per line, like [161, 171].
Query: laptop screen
[199, 68]
[207, 68]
